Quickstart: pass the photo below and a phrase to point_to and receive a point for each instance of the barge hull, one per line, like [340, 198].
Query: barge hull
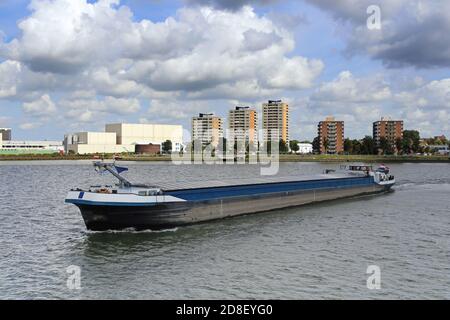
[169, 215]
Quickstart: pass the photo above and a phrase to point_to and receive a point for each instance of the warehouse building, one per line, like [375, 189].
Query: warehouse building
[17, 147]
[123, 137]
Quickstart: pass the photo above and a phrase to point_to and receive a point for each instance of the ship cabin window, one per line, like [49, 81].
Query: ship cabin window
[151, 192]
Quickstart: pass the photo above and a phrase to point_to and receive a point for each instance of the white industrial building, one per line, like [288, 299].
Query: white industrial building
[15, 147]
[305, 148]
[30, 147]
[94, 142]
[123, 137]
[440, 149]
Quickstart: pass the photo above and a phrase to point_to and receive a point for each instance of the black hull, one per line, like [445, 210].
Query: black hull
[171, 215]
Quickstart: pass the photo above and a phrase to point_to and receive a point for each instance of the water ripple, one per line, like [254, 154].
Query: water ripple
[319, 251]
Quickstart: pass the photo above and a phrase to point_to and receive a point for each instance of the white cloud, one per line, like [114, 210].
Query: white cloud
[30, 125]
[8, 75]
[65, 36]
[427, 107]
[43, 106]
[413, 32]
[4, 121]
[294, 73]
[87, 109]
[359, 101]
[230, 4]
[177, 110]
[81, 115]
[98, 46]
[96, 61]
[346, 88]
[113, 83]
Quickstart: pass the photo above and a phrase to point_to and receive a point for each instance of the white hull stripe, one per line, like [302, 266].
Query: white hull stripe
[91, 198]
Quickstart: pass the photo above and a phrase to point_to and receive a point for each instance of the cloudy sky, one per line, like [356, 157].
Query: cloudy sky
[73, 65]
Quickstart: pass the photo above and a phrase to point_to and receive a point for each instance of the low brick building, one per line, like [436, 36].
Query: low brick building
[148, 148]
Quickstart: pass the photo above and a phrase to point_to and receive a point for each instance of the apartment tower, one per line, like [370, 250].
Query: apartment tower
[331, 136]
[207, 128]
[276, 120]
[389, 129]
[243, 124]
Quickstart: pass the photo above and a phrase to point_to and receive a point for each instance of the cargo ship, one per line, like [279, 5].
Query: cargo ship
[171, 204]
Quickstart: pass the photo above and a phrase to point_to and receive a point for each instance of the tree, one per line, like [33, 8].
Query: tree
[316, 145]
[167, 146]
[293, 144]
[348, 146]
[438, 141]
[367, 145]
[283, 148]
[197, 143]
[385, 146]
[398, 145]
[356, 146]
[325, 145]
[268, 147]
[411, 141]
[222, 147]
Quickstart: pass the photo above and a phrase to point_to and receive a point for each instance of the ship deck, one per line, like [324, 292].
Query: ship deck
[203, 184]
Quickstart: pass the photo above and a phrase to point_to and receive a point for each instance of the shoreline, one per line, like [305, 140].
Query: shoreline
[283, 158]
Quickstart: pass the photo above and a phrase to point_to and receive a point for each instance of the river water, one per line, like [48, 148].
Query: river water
[313, 252]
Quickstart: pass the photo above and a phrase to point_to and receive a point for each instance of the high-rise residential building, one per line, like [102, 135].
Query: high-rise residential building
[331, 136]
[243, 124]
[276, 120]
[5, 134]
[392, 130]
[207, 128]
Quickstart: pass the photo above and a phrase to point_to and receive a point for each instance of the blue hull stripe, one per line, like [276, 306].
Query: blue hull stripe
[249, 190]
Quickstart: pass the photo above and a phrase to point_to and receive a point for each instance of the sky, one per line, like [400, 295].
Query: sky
[74, 65]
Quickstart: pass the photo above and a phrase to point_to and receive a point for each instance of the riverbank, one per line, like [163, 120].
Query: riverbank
[363, 158]
[283, 158]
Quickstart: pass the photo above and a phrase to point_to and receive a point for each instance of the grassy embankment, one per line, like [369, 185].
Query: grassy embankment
[283, 158]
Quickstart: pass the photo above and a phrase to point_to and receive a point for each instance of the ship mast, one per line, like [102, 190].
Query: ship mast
[100, 166]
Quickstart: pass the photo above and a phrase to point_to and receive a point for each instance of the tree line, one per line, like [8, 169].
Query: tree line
[409, 144]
